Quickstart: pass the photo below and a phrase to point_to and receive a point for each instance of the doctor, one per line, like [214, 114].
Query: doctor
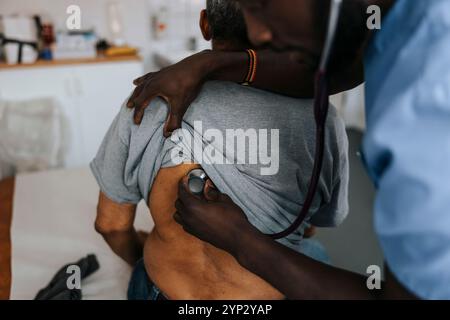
[406, 148]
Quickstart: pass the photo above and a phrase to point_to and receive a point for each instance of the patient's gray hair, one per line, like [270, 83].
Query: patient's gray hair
[226, 20]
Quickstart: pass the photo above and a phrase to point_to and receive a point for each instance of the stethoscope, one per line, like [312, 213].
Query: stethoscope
[197, 178]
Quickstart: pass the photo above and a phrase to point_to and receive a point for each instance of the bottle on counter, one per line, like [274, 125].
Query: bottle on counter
[160, 23]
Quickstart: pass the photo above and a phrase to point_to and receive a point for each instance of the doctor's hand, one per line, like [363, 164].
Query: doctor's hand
[214, 218]
[178, 84]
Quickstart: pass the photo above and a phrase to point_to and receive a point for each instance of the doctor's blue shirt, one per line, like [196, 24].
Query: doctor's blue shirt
[407, 144]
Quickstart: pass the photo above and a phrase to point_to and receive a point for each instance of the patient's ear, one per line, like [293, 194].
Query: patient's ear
[204, 26]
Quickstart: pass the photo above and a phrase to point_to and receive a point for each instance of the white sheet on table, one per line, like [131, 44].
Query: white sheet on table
[53, 224]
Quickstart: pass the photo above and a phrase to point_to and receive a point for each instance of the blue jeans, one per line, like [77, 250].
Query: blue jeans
[140, 287]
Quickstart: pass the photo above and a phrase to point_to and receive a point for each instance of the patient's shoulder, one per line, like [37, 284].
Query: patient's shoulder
[155, 114]
[227, 100]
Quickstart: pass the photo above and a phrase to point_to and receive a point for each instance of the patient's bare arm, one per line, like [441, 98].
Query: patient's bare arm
[115, 223]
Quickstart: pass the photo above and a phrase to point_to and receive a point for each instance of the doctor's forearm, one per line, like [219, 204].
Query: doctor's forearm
[281, 73]
[276, 72]
[296, 275]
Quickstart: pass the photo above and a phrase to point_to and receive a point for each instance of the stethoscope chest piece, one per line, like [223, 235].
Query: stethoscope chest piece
[196, 181]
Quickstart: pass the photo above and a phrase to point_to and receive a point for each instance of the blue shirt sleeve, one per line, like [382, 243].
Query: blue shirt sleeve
[408, 146]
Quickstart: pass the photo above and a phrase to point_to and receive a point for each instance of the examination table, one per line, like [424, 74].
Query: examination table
[46, 221]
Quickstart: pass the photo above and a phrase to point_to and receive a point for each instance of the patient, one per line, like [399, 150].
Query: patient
[262, 159]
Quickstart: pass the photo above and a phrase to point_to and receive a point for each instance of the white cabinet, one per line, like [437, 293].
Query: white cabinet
[90, 96]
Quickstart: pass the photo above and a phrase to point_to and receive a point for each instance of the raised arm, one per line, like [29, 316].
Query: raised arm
[285, 73]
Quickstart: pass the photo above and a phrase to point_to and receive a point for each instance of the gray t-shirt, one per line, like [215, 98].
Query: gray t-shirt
[256, 146]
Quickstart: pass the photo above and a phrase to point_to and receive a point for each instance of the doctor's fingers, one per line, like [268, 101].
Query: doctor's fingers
[185, 217]
[142, 79]
[210, 191]
[212, 194]
[180, 97]
[144, 99]
[136, 92]
[172, 123]
[141, 84]
[178, 217]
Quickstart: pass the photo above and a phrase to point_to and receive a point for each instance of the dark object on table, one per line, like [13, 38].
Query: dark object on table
[102, 45]
[4, 41]
[57, 288]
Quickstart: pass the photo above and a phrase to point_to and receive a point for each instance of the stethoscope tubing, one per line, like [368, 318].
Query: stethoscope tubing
[321, 107]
